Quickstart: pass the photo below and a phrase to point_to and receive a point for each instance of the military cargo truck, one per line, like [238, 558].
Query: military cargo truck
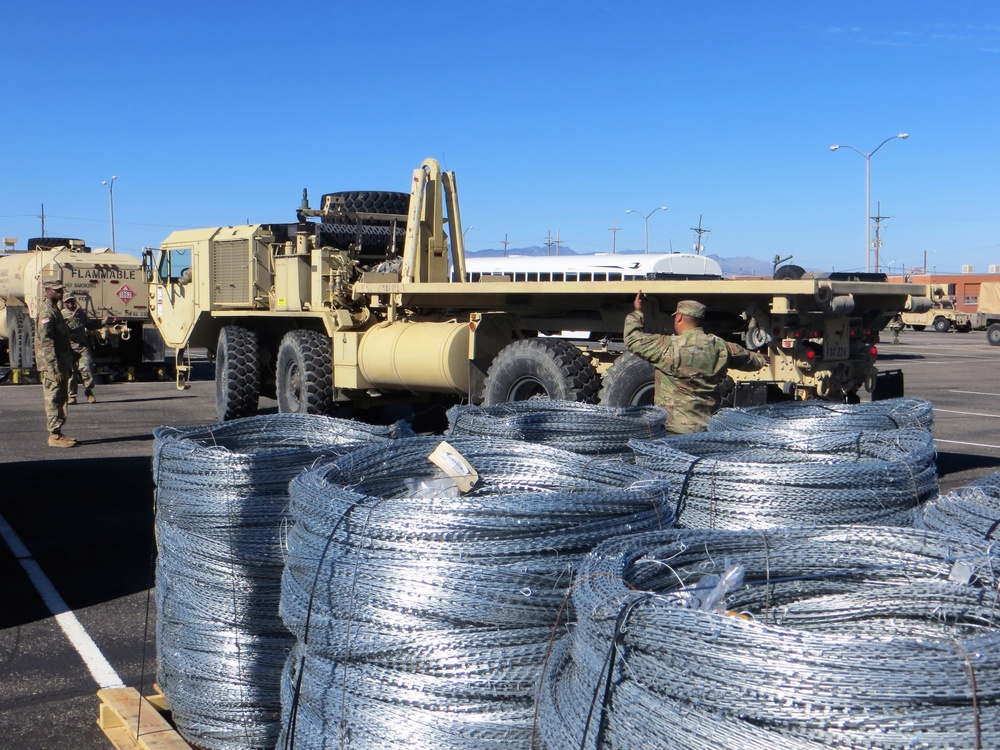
[366, 298]
[989, 310]
[942, 316]
[104, 283]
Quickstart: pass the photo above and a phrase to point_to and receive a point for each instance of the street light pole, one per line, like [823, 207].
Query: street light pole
[868, 190]
[111, 199]
[646, 217]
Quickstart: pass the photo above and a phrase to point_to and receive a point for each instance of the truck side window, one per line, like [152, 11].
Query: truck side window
[175, 266]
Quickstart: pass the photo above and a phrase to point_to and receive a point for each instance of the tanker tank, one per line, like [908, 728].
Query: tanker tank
[105, 284]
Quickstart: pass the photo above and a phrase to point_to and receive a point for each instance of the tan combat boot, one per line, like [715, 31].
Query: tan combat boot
[91, 398]
[71, 401]
[58, 440]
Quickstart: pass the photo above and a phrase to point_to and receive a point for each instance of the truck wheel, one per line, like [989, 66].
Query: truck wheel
[941, 324]
[305, 373]
[628, 382]
[372, 201]
[550, 368]
[237, 373]
[993, 334]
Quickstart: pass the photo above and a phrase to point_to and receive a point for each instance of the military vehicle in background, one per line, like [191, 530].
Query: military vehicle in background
[989, 310]
[942, 316]
[367, 299]
[104, 283]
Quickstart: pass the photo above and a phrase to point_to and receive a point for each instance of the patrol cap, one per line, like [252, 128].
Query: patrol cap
[54, 284]
[690, 308]
[69, 298]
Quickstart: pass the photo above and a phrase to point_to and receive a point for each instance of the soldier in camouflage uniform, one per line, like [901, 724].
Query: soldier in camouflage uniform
[690, 365]
[54, 359]
[79, 325]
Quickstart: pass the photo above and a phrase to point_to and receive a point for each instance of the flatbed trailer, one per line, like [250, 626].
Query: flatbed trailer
[318, 313]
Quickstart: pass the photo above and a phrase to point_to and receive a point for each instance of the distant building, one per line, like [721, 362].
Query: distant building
[962, 287]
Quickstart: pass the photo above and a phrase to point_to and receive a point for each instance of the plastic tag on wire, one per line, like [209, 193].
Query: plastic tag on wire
[710, 591]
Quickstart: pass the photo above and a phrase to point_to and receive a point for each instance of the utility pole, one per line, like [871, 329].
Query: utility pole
[699, 231]
[505, 243]
[42, 217]
[548, 243]
[614, 237]
[558, 241]
[877, 244]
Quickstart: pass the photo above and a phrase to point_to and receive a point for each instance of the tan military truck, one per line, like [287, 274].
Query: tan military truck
[366, 299]
[989, 310]
[104, 283]
[942, 316]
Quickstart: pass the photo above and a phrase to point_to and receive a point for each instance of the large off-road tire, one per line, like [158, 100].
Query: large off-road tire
[993, 334]
[305, 373]
[941, 324]
[371, 201]
[237, 373]
[549, 368]
[630, 381]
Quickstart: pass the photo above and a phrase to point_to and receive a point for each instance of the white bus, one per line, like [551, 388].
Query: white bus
[599, 267]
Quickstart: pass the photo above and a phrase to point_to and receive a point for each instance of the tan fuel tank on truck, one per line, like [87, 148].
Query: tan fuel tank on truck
[104, 283]
[422, 356]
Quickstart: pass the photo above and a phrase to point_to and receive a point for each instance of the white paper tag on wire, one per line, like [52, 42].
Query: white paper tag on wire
[455, 465]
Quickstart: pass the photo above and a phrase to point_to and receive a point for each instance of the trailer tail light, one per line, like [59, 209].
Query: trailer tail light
[873, 351]
[811, 354]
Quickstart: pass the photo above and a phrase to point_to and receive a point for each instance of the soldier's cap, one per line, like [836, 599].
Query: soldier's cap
[690, 308]
[54, 284]
[69, 298]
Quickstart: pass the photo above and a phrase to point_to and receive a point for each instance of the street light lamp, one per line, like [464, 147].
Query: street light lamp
[646, 217]
[868, 190]
[111, 199]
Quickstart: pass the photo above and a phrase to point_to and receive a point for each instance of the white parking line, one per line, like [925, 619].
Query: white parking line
[966, 413]
[960, 442]
[976, 393]
[102, 671]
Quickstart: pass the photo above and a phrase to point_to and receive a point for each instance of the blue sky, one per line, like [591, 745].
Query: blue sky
[557, 117]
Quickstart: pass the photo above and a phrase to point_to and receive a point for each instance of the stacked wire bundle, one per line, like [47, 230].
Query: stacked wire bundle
[861, 637]
[590, 429]
[815, 416]
[422, 615]
[747, 479]
[989, 484]
[968, 512]
[221, 505]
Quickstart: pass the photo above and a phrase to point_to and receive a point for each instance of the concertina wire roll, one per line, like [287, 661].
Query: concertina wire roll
[746, 479]
[590, 429]
[800, 639]
[814, 416]
[422, 617]
[221, 508]
[972, 511]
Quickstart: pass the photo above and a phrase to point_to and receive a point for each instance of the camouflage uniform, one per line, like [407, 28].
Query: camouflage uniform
[54, 359]
[79, 340]
[690, 367]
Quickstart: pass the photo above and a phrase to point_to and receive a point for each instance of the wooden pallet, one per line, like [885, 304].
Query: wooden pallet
[132, 722]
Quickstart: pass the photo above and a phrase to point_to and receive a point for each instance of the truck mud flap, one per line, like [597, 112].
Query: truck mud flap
[888, 384]
[746, 393]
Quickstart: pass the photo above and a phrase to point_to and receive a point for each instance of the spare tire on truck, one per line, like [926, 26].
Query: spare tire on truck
[237, 373]
[540, 368]
[374, 235]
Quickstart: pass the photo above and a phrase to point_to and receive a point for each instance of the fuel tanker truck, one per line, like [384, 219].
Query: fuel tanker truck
[367, 298]
[104, 283]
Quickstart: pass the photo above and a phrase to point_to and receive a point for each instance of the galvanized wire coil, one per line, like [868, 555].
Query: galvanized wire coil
[221, 512]
[815, 416]
[989, 484]
[746, 479]
[967, 512]
[861, 637]
[590, 429]
[429, 611]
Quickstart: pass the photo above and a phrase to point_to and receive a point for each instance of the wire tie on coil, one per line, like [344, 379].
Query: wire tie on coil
[683, 495]
[767, 577]
[972, 684]
[609, 671]
[992, 528]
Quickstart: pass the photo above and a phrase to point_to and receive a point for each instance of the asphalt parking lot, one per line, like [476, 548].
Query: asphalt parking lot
[84, 519]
